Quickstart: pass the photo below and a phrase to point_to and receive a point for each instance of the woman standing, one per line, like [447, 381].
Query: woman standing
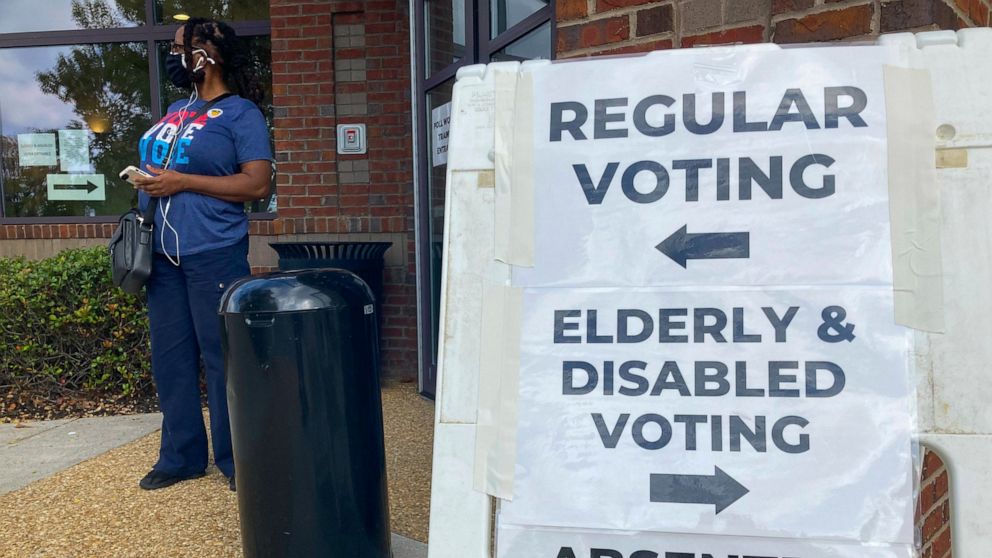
[203, 166]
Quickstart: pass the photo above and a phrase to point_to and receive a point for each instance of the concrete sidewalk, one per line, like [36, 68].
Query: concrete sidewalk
[36, 450]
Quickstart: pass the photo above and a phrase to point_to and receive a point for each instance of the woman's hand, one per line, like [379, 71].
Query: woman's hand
[252, 182]
[162, 182]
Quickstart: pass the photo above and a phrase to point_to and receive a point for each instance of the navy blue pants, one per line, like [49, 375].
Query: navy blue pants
[182, 311]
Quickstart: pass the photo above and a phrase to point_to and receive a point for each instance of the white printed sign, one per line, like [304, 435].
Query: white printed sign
[77, 187]
[708, 336]
[74, 145]
[440, 129]
[727, 170]
[691, 411]
[546, 543]
[36, 150]
[476, 129]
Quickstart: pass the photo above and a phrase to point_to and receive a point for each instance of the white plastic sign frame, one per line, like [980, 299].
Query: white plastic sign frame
[957, 423]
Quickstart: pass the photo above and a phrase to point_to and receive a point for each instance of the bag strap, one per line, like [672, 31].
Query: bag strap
[149, 214]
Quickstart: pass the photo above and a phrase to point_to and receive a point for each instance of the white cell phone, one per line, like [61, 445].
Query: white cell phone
[131, 171]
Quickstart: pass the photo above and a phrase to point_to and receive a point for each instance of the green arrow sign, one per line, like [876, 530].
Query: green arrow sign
[76, 187]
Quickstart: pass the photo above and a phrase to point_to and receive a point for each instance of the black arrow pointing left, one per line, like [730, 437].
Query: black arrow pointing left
[90, 187]
[682, 246]
[719, 489]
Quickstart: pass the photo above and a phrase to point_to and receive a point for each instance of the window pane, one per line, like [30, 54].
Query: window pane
[224, 10]
[261, 61]
[18, 16]
[533, 45]
[445, 28]
[438, 108]
[505, 14]
[70, 120]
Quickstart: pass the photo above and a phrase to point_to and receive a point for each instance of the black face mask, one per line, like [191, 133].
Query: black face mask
[176, 71]
[179, 73]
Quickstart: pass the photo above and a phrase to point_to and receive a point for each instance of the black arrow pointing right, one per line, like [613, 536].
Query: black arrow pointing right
[90, 187]
[719, 489]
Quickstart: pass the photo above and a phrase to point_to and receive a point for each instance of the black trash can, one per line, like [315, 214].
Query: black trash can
[364, 259]
[301, 359]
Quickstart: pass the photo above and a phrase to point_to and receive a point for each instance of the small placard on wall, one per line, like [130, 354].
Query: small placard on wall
[440, 128]
[75, 148]
[36, 150]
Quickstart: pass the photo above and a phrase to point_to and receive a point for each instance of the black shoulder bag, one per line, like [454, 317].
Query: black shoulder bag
[131, 244]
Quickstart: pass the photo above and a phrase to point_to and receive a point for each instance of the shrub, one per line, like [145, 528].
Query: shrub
[64, 327]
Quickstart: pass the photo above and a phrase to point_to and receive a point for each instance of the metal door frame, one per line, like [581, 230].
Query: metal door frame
[479, 48]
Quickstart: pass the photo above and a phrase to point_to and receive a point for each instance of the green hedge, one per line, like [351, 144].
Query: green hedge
[64, 327]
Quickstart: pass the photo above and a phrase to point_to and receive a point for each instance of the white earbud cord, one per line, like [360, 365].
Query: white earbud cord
[164, 211]
[168, 160]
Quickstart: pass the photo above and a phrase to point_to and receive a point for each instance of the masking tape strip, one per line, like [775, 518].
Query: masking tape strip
[914, 200]
[505, 85]
[952, 158]
[499, 369]
[485, 179]
[522, 176]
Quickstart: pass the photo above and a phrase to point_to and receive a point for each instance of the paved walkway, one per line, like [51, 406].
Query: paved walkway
[40, 449]
[36, 450]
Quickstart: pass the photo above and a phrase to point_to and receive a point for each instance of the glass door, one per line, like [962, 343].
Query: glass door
[451, 34]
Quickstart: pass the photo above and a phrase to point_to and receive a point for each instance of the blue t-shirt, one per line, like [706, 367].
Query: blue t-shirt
[231, 133]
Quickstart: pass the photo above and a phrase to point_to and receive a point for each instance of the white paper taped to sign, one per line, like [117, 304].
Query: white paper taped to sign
[708, 344]
[36, 150]
[549, 543]
[741, 412]
[475, 123]
[789, 161]
[74, 145]
[440, 128]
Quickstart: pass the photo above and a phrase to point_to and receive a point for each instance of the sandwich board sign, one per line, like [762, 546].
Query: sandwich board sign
[708, 344]
[708, 360]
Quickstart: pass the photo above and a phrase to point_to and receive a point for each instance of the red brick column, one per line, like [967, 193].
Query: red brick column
[337, 62]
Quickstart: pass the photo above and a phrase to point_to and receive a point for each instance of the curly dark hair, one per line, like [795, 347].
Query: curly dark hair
[238, 61]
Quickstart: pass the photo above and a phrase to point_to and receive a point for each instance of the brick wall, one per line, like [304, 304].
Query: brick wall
[336, 62]
[933, 510]
[603, 27]
[61, 231]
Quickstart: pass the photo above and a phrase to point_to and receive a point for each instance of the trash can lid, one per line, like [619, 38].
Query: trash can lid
[294, 291]
[319, 250]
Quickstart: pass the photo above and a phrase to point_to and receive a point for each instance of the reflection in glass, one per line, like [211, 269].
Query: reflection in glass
[166, 11]
[505, 14]
[71, 115]
[436, 182]
[261, 61]
[533, 45]
[19, 16]
[445, 29]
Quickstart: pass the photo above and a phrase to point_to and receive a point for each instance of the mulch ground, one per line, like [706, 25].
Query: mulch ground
[18, 405]
[96, 509]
